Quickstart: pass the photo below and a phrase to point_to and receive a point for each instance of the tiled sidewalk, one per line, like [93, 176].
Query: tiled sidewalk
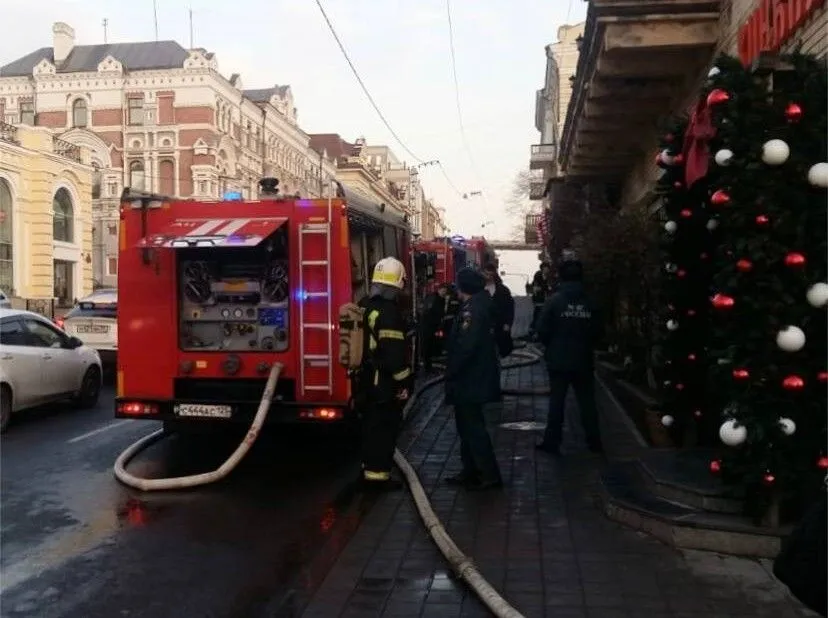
[541, 542]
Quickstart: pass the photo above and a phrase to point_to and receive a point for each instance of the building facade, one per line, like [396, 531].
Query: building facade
[45, 216]
[158, 117]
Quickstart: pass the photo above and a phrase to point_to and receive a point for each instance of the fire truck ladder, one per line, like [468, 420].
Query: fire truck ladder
[315, 358]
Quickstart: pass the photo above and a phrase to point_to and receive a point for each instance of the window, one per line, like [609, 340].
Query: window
[96, 180]
[112, 230]
[135, 111]
[6, 237]
[27, 113]
[79, 113]
[112, 266]
[11, 332]
[42, 335]
[63, 215]
[112, 188]
[136, 175]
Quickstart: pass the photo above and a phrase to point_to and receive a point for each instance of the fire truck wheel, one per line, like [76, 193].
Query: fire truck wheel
[90, 389]
[5, 406]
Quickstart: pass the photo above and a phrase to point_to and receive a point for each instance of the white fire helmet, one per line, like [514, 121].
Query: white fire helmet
[389, 271]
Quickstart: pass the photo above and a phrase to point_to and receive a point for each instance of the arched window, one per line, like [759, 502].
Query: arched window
[6, 238]
[136, 175]
[79, 113]
[63, 214]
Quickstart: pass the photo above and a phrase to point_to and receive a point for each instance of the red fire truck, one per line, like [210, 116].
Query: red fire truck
[211, 294]
[438, 260]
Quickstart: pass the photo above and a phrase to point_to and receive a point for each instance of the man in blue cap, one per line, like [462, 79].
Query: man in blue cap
[473, 380]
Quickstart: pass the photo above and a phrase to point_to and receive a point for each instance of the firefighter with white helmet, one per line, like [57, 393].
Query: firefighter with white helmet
[385, 376]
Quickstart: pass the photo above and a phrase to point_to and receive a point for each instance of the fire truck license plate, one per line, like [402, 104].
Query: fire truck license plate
[208, 411]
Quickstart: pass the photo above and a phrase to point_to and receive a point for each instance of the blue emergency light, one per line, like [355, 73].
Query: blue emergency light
[233, 196]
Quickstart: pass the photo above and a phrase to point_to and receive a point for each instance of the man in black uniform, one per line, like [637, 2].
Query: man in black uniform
[452, 309]
[541, 289]
[385, 375]
[434, 308]
[472, 380]
[569, 328]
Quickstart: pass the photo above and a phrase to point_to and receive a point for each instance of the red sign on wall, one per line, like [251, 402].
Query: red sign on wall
[771, 24]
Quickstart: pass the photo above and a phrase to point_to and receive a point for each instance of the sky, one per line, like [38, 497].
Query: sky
[401, 50]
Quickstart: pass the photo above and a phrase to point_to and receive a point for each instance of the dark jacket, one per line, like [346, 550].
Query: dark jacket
[473, 369]
[386, 369]
[542, 287]
[569, 328]
[434, 308]
[503, 306]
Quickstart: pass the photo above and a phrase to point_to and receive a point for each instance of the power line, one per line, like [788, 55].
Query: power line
[371, 98]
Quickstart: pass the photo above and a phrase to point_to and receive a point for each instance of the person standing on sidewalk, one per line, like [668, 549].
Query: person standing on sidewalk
[434, 308]
[503, 306]
[472, 380]
[385, 375]
[569, 328]
[542, 286]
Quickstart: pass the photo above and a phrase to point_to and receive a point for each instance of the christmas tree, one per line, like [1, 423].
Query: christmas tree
[684, 290]
[768, 177]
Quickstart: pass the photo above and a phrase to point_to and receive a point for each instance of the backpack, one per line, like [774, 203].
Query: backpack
[352, 335]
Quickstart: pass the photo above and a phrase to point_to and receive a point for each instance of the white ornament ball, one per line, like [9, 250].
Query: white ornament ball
[787, 426]
[667, 420]
[672, 325]
[723, 157]
[732, 433]
[712, 224]
[775, 152]
[667, 158]
[818, 175]
[713, 72]
[670, 267]
[790, 339]
[671, 227]
[818, 295]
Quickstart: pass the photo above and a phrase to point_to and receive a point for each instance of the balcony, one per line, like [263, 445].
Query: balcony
[537, 189]
[543, 156]
[65, 149]
[640, 61]
[530, 228]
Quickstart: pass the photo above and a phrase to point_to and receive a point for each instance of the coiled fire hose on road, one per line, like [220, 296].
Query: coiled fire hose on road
[193, 480]
[462, 564]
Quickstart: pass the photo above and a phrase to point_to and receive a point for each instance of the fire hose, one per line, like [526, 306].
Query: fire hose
[193, 480]
[462, 564]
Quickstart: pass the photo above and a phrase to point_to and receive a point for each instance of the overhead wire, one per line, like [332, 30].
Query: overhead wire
[373, 101]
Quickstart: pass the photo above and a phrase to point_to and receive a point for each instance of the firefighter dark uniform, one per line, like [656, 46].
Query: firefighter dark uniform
[386, 377]
[452, 309]
[432, 324]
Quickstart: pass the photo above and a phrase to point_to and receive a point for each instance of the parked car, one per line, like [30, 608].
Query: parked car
[5, 301]
[40, 364]
[94, 321]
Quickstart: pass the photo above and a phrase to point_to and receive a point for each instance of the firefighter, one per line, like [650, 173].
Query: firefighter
[386, 376]
[452, 309]
[434, 308]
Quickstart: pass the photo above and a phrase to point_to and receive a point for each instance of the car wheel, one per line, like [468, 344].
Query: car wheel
[90, 388]
[5, 407]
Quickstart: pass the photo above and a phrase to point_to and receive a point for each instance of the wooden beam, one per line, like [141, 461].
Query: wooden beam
[658, 36]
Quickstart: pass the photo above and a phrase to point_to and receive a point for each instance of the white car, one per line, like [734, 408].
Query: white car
[40, 364]
[94, 321]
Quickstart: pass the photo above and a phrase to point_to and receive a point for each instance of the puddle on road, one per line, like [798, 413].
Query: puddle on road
[524, 426]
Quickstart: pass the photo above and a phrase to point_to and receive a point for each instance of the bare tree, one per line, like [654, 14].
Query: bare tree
[518, 204]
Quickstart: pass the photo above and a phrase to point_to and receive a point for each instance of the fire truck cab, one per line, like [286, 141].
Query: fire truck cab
[211, 294]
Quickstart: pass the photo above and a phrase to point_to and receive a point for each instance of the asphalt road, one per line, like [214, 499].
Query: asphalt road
[75, 542]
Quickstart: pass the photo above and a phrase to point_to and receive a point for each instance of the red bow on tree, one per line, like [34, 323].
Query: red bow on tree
[697, 138]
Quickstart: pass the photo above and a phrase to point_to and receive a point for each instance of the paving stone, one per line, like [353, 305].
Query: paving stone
[541, 541]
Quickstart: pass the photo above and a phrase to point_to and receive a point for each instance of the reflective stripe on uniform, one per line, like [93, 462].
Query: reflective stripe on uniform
[376, 378]
[376, 476]
[390, 334]
[372, 322]
[402, 375]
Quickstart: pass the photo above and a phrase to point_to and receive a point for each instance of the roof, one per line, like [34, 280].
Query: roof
[16, 313]
[85, 58]
[263, 95]
[333, 145]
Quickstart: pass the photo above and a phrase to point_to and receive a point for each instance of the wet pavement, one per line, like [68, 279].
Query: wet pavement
[542, 541]
[75, 542]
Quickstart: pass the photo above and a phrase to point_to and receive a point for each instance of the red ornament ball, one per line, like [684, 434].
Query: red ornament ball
[691, 312]
[681, 274]
[762, 220]
[677, 184]
[822, 462]
[691, 357]
[686, 213]
[669, 138]
[793, 383]
[793, 112]
[741, 374]
[722, 301]
[715, 466]
[678, 159]
[822, 376]
[769, 478]
[744, 266]
[795, 259]
[717, 96]
[720, 198]
[679, 386]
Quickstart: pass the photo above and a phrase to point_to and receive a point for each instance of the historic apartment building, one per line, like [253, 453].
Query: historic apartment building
[162, 118]
[45, 217]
